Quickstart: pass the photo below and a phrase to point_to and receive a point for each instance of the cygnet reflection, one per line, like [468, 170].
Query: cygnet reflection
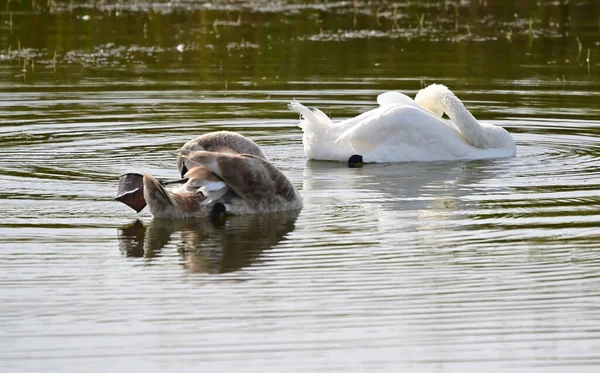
[205, 246]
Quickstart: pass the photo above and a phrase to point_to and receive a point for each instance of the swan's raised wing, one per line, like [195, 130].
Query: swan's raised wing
[251, 178]
[395, 98]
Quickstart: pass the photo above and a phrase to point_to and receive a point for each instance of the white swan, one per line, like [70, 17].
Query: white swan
[403, 130]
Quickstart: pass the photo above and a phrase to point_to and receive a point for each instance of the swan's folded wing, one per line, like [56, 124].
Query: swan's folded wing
[397, 125]
[340, 132]
[380, 124]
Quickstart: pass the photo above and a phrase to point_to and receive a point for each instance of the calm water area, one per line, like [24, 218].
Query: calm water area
[462, 266]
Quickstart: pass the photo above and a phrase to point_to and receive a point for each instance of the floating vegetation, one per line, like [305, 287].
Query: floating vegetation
[20, 53]
[407, 34]
[111, 55]
[241, 46]
[431, 19]
[342, 35]
[119, 33]
[101, 56]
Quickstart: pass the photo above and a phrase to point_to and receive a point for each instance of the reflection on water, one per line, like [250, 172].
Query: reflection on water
[403, 186]
[206, 246]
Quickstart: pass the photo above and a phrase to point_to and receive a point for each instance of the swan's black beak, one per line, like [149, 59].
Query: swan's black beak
[355, 161]
[218, 212]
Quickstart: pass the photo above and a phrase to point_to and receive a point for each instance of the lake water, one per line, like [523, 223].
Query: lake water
[432, 267]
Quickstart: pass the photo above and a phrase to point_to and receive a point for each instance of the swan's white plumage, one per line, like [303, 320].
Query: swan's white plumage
[402, 129]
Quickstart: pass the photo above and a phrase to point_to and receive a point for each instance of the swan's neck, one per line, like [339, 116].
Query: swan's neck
[473, 132]
[437, 97]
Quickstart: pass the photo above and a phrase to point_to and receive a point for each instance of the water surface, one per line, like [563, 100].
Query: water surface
[442, 266]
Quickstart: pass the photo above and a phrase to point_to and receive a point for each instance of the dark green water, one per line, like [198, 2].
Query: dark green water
[446, 266]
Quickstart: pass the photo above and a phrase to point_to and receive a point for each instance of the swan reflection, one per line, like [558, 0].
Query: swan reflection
[400, 204]
[208, 247]
[412, 186]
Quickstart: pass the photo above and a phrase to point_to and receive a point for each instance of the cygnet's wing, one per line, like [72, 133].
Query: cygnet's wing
[221, 142]
[251, 178]
[204, 180]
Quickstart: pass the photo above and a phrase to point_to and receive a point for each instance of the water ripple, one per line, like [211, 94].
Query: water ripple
[446, 263]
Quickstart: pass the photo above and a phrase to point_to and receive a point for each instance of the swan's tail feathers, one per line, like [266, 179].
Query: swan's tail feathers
[311, 118]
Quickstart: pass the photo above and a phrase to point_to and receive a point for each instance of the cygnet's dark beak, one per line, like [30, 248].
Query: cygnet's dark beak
[355, 161]
[184, 170]
[175, 181]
